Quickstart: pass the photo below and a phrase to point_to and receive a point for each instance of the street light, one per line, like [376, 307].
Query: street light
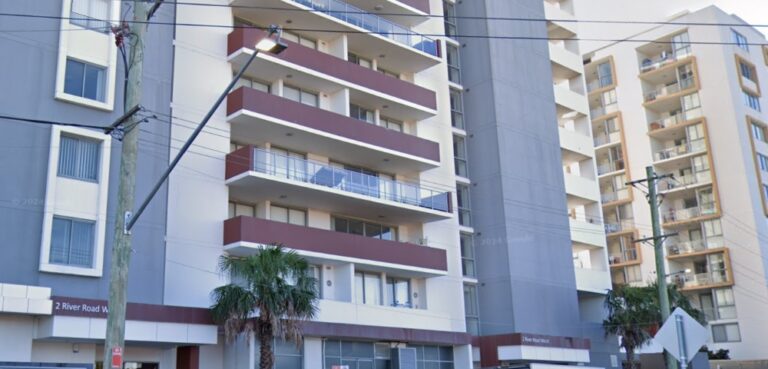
[266, 44]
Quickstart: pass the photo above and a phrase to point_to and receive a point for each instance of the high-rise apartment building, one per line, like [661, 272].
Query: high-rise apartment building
[533, 248]
[687, 101]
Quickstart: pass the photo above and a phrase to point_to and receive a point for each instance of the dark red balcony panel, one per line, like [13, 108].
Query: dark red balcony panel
[275, 106]
[339, 68]
[248, 229]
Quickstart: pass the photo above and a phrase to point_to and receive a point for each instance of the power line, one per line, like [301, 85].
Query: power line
[50, 122]
[530, 38]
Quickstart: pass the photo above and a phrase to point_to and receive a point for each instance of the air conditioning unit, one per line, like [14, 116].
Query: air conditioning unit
[403, 358]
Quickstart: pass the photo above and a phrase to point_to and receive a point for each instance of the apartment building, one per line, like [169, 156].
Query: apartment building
[534, 255]
[59, 191]
[693, 111]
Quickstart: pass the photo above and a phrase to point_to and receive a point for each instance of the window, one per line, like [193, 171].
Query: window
[287, 355]
[250, 83]
[681, 45]
[287, 215]
[449, 19]
[751, 100]
[462, 200]
[79, 158]
[299, 95]
[758, 132]
[388, 73]
[91, 14]
[763, 161]
[467, 255]
[633, 274]
[72, 242]
[84, 80]
[471, 309]
[392, 124]
[316, 272]
[299, 39]
[460, 156]
[726, 305]
[237, 209]
[454, 66]
[364, 228]
[434, 356]
[399, 290]
[740, 40]
[457, 109]
[748, 71]
[685, 76]
[765, 192]
[357, 59]
[726, 332]
[605, 74]
[355, 354]
[367, 288]
[691, 102]
[286, 164]
[360, 113]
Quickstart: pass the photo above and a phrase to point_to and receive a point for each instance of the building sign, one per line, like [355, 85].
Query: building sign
[70, 306]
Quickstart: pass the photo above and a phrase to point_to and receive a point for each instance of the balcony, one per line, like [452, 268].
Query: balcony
[624, 257]
[675, 120]
[570, 100]
[662, 92]
[367, 34]
[261, 117]
[661, 61]
[676, 215]
[580, 190]
[685, 182]
[324, 72]
[613, 196]
[685, 149]
[592, 280]
[610, 167]
[615, 227]
[243, 236]
[601, 111]
[586, 234]
[256, 175]
[405, 12]
[559, 29]
[575, 146]
[565, 63]
[603, 139]
[697, 281]
[677, 249]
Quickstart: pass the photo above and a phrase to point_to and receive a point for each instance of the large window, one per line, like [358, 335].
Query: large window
[252, 83]
[457, 109]
[685, 76]
[79, 158]
[758, 132]
[364, 228]
[287, 355]
[359, 60]
[467, 255]
[753, 101]
[726, 304]
[360, 113]
[72, 242]
[605, 74]
[368, 288]
[726, 332]
[355, 354]
[299, 39]
[287, 215]
[85, 80]
[681, 45]
[299, 95]
[238, 209]
[763, 161]
[748, 71]
[471, 309]
[460, 156]
[740, 40]
[462, 197]
[454, 65]
[399, 292]
[91, 14]
[390, 123]
[434, 357]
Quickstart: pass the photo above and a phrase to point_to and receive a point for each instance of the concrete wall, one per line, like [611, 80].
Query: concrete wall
[523, 246]
[30, 66]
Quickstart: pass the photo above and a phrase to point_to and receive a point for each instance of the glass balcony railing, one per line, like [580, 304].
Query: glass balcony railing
[599, 83]
[691, 280]
[695, 146]
[603, 110]
[380, 26]
[689, 247]
[674, 120]
[686, 180]
[617, 195]
[610, 166]
[306, 171]
[91, 23]
[607, 138]
[681, 214]
[624, 256]
[661, 60]
[619, 226]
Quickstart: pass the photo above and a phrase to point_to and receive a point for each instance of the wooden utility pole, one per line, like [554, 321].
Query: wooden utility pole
[121, 245]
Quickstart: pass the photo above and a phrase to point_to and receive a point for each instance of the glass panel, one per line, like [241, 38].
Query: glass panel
[359, 288]
[297, 217]
[59, 241]
[373, 230]
[244, 210]
[292, 93]
[332, 348]
[81, 247]
[356, 227]
[278, 214]
[308, 98]
[73, 78]
[93, 84]
[372, 289]
[340, 225]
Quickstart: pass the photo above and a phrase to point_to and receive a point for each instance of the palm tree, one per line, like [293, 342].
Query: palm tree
[273, 283]
[631, 313]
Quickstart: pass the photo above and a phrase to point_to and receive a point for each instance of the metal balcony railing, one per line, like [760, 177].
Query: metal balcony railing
[610, 166]
[665, 58]
[680, 214]
[695, 146]
[378, 25]
[686, 180]
[674, 120]
[603, 110]
[607, 138]
[622, 225]
[709, 278]
[612, 196]
[688, 247]
[306, 171]
[623, 257]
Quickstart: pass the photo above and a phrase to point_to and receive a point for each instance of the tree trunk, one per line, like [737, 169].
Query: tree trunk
[266, 356]
[631, 358]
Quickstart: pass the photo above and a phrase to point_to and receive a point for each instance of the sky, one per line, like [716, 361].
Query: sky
[751, 11]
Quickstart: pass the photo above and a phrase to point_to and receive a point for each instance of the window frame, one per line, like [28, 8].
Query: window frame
[457, 109]
[288, 212]
[71, 224]
[363, 298]
[76, 18]
[391, 294]
[467, 242]
[740, 40]
[101, 97]
[302, 92]
[714, 337]
[453, 61]
[78, 159]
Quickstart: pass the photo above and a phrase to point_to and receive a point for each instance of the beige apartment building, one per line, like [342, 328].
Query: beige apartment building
[691, 109]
